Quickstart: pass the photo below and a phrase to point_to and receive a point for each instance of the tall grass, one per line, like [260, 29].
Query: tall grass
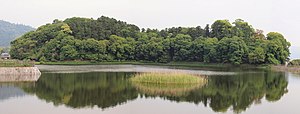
[168, 77]
[168, 83]
[16, 63]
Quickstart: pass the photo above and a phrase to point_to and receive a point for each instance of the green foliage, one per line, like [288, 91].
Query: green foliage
[168, 78]
[278, 48]
[221, 29]
[231, 50]
[181, 44]
[295, 62]
[242, 29]
[84, 89]
[257, 56]
[100, 29]
[107, 39]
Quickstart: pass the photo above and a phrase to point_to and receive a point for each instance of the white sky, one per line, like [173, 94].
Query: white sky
[269, 15]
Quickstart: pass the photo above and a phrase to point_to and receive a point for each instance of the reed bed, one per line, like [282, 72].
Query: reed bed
[166, 89]
[172, 77]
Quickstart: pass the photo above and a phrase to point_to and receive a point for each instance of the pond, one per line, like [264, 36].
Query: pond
[106, 89]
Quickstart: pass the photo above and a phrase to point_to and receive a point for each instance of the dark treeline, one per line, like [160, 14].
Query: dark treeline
[107, 39]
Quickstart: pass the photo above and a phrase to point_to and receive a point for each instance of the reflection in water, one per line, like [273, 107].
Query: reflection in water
[10, 90]
[106, 90]
[18, 78]
[85, 89]
[166, 89]
[240, 91]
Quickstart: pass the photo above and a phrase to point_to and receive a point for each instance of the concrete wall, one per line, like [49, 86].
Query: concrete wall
[12, 74]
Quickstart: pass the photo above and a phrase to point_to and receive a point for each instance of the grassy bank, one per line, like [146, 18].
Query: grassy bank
[16, 63]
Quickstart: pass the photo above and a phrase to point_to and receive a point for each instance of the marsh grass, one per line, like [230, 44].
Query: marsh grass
[169, 83]
[166, 89]
[174, 77]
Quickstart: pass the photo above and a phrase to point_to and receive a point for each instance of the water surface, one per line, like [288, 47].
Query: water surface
[246, 91]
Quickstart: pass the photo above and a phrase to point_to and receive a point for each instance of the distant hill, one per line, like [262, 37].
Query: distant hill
[9, 32]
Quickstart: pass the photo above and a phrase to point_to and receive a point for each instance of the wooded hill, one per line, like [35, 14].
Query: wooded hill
[107, 39]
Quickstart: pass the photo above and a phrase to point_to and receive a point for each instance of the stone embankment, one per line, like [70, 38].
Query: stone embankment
[13, 74]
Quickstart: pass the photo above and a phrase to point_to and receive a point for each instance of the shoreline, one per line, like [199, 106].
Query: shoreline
[19, 74]
[179, 64]
[292, 69]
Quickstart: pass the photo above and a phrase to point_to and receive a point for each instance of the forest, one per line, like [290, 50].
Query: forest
[108, 39]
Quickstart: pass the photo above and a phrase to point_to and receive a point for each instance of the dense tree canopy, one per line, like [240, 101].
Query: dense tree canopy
[107, 39]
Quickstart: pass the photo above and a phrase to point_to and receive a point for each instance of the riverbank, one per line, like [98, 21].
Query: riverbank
[293, 69]
[13, 74]
[12, 70]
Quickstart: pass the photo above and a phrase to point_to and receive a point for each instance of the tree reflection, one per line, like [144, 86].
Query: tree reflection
[105, 90]
[85, 89]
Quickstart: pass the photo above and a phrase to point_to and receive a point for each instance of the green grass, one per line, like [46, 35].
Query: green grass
[167, 83]
[167, 78]
[16, 63]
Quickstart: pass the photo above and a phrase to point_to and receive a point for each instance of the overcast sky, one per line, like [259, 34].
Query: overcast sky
[269, 15]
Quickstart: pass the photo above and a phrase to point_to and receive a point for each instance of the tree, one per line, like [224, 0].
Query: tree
[242, 29]
[68, 52]
[231, 50]
[207, 31]
[202, 48]
[257, 56]
[116, 47]
[221, 29]
[210, 54]
[150, 47]
[278, 48]
[107, 39]
[180, 45]
[295, 62]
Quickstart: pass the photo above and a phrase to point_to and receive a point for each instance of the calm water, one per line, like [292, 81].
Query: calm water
[246, 91]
